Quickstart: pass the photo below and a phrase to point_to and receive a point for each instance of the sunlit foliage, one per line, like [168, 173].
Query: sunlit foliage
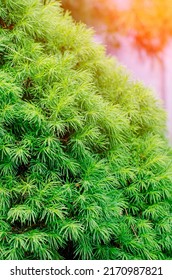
[85, 170]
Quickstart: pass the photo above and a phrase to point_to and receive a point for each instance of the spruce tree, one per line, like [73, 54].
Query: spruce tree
[85, 167]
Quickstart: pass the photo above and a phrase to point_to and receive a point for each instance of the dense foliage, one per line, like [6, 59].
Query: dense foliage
[85, 168]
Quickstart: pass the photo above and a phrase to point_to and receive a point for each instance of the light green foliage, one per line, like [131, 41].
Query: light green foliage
[85, 168]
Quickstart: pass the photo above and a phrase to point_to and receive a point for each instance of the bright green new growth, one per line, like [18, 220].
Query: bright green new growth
[85, 169]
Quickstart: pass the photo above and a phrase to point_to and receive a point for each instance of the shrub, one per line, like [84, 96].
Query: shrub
[85, 167]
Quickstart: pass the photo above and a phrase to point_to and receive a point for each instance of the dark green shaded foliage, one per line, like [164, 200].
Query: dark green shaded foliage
[85, 168]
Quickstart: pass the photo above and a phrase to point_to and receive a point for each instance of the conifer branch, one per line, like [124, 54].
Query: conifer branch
[27, 58]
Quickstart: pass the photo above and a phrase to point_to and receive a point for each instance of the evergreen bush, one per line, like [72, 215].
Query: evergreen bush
[85, 168]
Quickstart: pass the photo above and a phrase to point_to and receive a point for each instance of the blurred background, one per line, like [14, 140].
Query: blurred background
[139, 34]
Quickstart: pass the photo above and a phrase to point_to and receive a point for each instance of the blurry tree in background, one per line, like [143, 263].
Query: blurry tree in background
[149, 25]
